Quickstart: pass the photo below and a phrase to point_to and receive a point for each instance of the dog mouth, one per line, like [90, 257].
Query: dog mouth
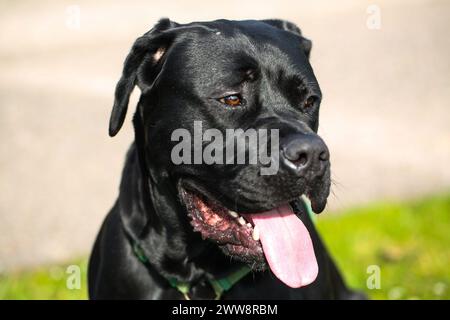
[276, 238]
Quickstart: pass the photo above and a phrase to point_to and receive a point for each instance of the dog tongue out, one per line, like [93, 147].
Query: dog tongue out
[287, 246]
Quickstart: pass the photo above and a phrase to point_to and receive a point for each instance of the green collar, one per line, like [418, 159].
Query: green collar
[307, 205]
[219, 285]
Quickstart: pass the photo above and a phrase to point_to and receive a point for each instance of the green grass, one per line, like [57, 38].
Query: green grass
[44, 283]
[409, 242]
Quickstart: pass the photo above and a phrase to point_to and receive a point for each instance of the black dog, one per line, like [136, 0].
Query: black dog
[195, 231]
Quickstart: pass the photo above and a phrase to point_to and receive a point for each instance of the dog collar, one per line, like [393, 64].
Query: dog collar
[219, 286]
[307, 206]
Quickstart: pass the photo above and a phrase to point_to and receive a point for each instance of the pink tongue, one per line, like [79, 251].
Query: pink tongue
[287, 246]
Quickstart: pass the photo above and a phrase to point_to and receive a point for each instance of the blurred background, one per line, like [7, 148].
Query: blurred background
[384, 70]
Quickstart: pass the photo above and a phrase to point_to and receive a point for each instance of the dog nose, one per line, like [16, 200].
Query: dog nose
[304, 152]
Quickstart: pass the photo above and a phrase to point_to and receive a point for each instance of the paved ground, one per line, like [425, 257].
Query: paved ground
[385, 114]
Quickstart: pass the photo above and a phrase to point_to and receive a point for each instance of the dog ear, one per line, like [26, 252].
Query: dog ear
[149, 47]
[306, 44]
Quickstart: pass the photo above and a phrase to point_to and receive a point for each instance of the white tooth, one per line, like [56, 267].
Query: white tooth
[255, 234]
[249, 225]
[233, 214]
[241, 221]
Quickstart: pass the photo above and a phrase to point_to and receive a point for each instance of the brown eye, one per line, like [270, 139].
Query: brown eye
[233, 100]
[309, 103]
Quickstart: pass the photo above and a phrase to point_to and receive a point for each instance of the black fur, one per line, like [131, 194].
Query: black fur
[182, 71]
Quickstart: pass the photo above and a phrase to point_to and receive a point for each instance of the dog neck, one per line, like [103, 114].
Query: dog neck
[153, 217]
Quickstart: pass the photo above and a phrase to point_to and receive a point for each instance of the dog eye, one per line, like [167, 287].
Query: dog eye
[233, 100]
[309, 103]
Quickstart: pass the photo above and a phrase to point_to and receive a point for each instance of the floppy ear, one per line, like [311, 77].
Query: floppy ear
[149, 47]
[306, 44]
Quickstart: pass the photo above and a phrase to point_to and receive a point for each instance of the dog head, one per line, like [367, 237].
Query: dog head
[201, 80]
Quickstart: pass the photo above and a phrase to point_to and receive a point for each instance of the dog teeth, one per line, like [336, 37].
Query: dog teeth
[241, 220]
[255, 234]
[234, 214]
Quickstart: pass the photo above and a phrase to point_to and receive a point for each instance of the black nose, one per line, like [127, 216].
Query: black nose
[301, 153]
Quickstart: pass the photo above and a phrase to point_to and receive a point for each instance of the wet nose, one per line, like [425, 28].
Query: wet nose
[301, 153]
